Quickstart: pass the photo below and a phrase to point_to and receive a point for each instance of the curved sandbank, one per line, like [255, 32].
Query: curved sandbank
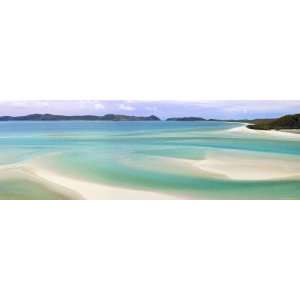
[239, 165]
[78, 189]
[229, 164]
[26, 185]
[97, 191]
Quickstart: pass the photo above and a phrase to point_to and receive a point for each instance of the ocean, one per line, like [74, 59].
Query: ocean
[155, 156]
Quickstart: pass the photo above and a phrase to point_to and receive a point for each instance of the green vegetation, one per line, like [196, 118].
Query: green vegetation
[285, 122]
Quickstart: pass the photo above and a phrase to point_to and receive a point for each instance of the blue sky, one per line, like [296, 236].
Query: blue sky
[163, 109]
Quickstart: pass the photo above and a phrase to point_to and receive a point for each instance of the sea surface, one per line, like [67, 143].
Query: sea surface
[139, 155]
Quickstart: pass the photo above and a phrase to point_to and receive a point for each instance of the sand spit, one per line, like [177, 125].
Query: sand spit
[24, 175]
[265, 133]
[237, 166]
[94, 191]
[79, 189]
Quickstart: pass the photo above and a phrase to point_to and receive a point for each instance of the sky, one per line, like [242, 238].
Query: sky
[162, 109]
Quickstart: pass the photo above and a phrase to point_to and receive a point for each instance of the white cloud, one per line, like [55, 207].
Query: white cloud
[99, 106]
[126, 107]
[260, 107]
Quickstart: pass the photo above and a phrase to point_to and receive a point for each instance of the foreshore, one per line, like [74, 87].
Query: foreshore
[244, 167]
[239, 165]
[77, 188]
[291, 133]
[215, 164]
[96, 191]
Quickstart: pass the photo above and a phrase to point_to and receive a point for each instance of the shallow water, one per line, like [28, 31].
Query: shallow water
[130, 154]
[22, 188]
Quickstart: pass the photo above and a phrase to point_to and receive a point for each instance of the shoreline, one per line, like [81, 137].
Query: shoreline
[219, 165]
[223, 165]
[270, 132]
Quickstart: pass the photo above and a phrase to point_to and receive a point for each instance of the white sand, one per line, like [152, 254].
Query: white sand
[264, 133]
[237, 165]
[93, 191]
[247, 167]
[79, 188]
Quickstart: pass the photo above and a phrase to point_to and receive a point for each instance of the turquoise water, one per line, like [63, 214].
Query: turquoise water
[24, 189]
[131, 154]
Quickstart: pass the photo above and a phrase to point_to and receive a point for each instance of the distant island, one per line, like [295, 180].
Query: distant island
[186, 119]
[107, 117]
[50, 117]
[285, 122]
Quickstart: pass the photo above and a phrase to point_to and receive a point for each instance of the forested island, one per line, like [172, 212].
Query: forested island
[285, 122]
[50, 117]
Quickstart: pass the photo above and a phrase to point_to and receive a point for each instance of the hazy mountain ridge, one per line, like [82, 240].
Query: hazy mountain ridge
[186, 119]
[51, 117]
[284, 122]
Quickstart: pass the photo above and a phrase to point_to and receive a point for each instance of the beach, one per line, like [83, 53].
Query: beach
[234, 165]
[147, 160]
[77, 189]
[94, 191]
[248, 167]
[292, 133]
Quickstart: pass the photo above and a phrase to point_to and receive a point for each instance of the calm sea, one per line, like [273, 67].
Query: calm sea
[131, 154]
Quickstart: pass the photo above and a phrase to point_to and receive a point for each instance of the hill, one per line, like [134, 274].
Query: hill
[50, 117]
[285, 122]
